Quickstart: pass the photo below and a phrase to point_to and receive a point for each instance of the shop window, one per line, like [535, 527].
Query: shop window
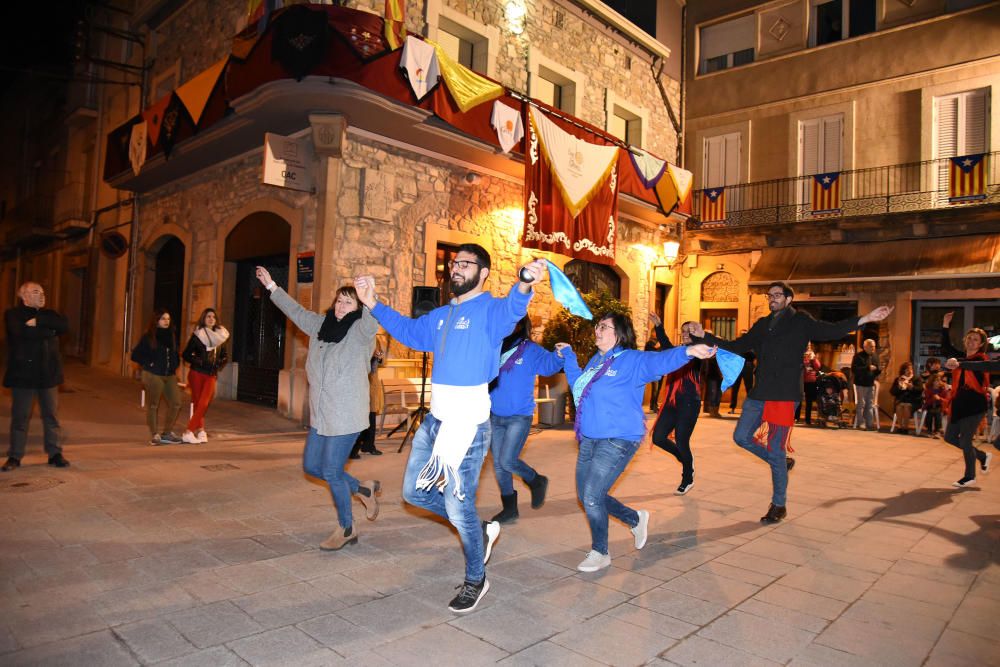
[589, 277]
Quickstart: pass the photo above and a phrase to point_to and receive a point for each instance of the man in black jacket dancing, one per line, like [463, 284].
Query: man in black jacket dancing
[34, 369]
[778, 341]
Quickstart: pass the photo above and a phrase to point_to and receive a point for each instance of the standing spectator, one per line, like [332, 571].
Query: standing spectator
[745, 376]
[610, 423]
[512, 395]
[341, 342]
[652, 344]
[936, 397]
[711, 380]
[156, 354]
[679, 413]
[810, 373]
[779, 340]
[376, 404]
[865, 370]
[207, 356]
[969, 398]
[448, 450]
[909, 393]
[34, 370]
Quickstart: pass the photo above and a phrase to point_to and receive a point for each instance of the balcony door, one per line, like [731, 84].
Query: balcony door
[960, 128]
[720, 167]
[821, 143]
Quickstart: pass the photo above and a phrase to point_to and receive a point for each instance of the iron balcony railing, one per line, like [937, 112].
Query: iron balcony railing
[915, 186]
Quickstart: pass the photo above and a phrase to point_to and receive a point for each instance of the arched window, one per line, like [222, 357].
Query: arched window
[720, 287]
[591, 277]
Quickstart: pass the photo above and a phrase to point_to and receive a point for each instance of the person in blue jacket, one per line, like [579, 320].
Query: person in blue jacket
[512, 394]
[447, 453]
[610, 423]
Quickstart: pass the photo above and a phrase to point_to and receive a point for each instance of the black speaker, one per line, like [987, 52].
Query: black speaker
[425, 299]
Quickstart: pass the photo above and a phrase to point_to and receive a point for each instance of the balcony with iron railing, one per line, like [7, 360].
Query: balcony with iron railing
[873, 191]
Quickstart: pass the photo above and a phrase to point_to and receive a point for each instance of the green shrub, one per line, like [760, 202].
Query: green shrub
[578, 332]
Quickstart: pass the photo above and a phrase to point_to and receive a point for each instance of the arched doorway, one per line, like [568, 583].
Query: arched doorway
[591, 277]
[163, 285]
[259, 328]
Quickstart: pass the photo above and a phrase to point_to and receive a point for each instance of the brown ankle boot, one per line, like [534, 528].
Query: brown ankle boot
[367, 492]
[339, 539]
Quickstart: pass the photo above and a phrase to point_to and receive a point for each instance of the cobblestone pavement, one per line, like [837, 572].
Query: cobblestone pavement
[207, 555]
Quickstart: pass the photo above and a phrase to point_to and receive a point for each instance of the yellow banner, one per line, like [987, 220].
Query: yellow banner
[467, 88]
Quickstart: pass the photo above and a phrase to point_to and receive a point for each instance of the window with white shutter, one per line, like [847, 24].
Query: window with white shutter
[961, 121]
[721, 166]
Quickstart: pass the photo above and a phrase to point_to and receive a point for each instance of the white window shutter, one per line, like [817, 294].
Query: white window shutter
[975, 122]
[713, 169]
[732, 149]
[947, 126]
[809, 147]
[833, 132]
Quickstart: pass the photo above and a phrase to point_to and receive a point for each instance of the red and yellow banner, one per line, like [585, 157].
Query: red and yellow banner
[967, 180]
[395, 23]
[713, 205]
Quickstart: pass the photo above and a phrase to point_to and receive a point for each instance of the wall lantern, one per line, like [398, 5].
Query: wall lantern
[515, 12]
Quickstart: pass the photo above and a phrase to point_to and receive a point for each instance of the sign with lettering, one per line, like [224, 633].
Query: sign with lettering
[305, 261]
[288, 162]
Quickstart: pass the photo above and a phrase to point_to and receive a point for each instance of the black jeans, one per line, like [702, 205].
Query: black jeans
[747, 381]
[680, 420]
[366, 439]
[810, 392]
[20, 414]
[959, 433]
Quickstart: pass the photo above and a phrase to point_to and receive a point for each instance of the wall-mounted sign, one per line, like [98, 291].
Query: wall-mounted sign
[288, 162]
[304, 266]
[113, 244]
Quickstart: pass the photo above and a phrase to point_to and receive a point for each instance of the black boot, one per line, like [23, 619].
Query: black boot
[509, 513]
[539, 485]
[775, 513]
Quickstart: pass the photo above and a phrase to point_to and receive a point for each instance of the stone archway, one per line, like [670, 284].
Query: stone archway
[164, 271]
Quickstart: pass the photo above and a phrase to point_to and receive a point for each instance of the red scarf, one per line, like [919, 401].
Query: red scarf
[969, 379]
[776, 425]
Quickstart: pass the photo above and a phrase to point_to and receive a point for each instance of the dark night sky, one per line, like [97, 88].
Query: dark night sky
[37, 35]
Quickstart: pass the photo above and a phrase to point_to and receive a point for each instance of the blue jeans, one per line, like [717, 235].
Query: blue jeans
[324, 457]
[598, 467]
[461, 513]
[749, 422]
[509, 436]
[865, 408]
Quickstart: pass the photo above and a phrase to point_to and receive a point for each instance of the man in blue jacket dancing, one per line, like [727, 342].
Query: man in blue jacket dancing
[442, 473]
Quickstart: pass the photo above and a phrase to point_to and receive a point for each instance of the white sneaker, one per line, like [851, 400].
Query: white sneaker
[641, 530]
[491, 530]
[594, 562]
[202, 436]
[965, 483]
[190, 438]
[985, 467]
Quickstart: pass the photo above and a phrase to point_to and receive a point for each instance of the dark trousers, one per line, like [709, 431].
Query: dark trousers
[20, 414]
[747, 381]
[366, 439]
[713, 395]
[678, 419]
[654, 394]
[810, 392]
[959, 433]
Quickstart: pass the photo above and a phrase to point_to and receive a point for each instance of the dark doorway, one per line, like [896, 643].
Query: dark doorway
[591, 278]
[260, 347]
[168, 286]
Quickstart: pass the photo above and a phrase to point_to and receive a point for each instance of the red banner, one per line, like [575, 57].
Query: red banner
[548, 225]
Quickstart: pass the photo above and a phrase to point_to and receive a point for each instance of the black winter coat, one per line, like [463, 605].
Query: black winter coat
[33, 357]
[778, 343]
[861, 365]
[203, 361]
[161, 360]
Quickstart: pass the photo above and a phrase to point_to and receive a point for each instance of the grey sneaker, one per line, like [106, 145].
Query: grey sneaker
[170, 439]
[594, 562]
[641, 529]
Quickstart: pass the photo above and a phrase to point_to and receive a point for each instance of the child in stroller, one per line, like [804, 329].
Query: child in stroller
[831, 388]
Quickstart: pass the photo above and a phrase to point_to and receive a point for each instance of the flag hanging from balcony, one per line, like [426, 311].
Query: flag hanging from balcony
[420, 66]
[467, 88]
[713, 205]
[195, 93]
[137, 146]
[968, 178]
[564, 167]
[826, 193]
[395, 23]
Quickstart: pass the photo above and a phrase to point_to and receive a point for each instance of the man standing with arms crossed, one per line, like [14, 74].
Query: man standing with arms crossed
[779, 341]
[34, 369]
[442, 473]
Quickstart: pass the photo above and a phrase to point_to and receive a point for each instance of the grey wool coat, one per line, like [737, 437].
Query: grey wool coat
[337, 372]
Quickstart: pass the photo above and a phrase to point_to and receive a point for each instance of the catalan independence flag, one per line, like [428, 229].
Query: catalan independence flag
[826, 193]
[967, 180]
[395, 23]
[713, 205]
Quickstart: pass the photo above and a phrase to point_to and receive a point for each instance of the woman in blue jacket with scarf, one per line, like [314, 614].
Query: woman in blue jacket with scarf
[512, 395]
[610, 423]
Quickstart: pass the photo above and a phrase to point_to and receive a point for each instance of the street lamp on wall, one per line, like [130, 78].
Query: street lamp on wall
[671, 250]
[515, 12]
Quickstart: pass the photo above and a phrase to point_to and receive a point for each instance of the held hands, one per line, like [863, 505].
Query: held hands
[562, 346]
[531, 273]
[946, 321]
[701, 350]
[696, 330]
[876, 315]
[952, 363]
[365, 285]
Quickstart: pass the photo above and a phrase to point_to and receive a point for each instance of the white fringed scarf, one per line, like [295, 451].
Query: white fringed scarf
[460, 410]
[212, 338]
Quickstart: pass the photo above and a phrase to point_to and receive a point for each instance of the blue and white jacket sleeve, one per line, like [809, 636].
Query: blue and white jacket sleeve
[571, 365]
[415, 333]
[654, 365]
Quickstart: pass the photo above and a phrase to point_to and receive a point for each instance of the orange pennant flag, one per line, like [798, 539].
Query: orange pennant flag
[195, 93]
[154, 117]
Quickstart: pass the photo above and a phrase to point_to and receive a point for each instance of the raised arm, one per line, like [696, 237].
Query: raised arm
[415, 333]
[306, 320]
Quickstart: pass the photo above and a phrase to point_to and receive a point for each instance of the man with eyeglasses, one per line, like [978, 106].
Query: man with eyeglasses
[779, 341]
[442, 473]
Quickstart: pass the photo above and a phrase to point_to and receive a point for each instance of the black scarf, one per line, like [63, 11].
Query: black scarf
[334, 330]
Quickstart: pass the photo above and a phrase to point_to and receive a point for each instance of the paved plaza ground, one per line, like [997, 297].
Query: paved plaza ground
[207, 555]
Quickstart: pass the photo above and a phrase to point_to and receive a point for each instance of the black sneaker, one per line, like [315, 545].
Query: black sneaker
[170, 439]
[683, 488]
[10, 464]
[468, 597]
[965, 482]
[775, 513]
[58, 460]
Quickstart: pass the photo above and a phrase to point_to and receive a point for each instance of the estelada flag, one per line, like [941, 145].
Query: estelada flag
[826, 193]
[713, 205]
[967, 178]
[395, 23]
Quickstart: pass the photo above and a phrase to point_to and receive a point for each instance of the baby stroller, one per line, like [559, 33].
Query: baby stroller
[830, 388]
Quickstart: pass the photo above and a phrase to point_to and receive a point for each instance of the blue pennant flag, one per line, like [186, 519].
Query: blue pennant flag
[565, 293]
[731, 366]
